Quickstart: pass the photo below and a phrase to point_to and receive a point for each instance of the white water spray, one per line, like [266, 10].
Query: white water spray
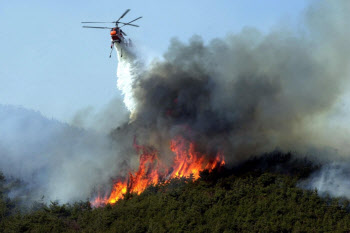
[127, 74]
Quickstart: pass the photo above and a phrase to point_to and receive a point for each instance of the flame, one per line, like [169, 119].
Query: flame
[187, 162]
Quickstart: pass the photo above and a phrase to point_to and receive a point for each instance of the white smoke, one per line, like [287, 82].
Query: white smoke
[53, 159]
[331, 179]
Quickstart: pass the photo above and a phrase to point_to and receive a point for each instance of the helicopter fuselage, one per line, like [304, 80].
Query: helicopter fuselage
[116, 35]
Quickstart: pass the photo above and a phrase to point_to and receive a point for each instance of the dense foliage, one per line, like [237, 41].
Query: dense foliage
[251, 198]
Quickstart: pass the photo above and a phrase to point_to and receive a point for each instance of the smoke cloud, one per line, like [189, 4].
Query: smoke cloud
[52, 159]
[249, 93]
[252, 93]
[332, 179]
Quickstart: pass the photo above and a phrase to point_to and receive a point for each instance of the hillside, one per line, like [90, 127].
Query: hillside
[258, 196]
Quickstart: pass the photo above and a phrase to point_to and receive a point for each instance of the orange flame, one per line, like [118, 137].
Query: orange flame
[151, 170]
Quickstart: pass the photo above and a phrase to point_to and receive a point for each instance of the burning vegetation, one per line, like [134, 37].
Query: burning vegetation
[187, 162]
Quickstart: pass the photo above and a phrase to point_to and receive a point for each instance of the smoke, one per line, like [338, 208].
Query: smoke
[250, 93]
[331, 179]
[52, 159]
[102, 120]
[243, 95]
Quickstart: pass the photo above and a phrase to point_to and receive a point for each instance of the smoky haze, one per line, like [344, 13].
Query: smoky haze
[244, 95]
[52, 159]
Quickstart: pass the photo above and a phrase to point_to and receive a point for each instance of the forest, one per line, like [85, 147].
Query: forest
[259, 195]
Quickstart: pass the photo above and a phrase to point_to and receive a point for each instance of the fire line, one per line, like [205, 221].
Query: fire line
[187, 162]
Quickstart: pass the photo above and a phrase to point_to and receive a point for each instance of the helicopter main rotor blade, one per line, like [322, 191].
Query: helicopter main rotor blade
[123, 15]
[97, 27]
[97, 22]
[134, 20]
[126, 24]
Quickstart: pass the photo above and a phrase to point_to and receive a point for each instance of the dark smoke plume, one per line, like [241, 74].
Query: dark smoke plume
[249, 93]
[253, 93]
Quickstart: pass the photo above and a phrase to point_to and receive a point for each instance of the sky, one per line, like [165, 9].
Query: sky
[50, 64]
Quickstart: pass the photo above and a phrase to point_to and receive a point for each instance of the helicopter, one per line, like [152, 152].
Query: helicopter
[117, 34]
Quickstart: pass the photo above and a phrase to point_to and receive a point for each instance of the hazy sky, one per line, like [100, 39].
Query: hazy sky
[50, 64]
